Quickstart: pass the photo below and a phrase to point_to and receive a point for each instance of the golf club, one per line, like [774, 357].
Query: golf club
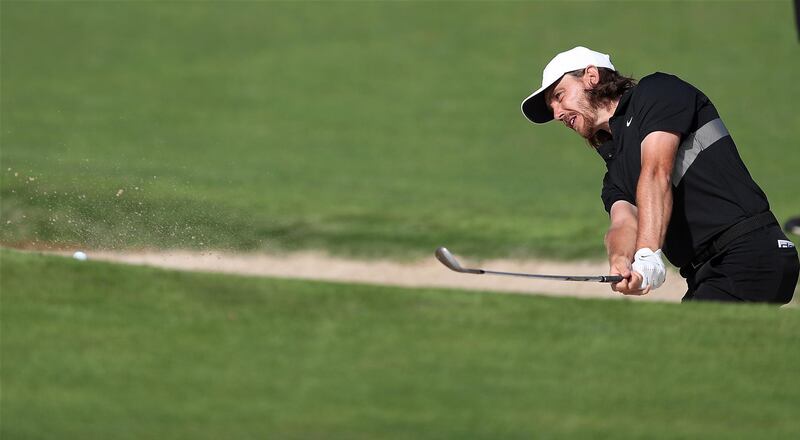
[446, 258]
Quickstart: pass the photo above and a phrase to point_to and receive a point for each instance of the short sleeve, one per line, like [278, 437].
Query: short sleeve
[665, 103]
[612, 194]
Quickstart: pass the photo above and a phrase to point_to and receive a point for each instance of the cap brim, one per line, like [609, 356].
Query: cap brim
[535, 109]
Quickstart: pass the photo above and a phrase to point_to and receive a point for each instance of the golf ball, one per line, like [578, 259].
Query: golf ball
[78, 255]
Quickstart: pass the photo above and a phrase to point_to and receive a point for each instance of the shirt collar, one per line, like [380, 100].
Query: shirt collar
[622, 106]
[608, 150]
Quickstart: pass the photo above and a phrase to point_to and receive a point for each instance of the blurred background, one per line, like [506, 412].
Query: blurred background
[362, 128]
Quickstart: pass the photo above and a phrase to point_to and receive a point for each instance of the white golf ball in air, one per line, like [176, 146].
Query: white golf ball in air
[78, 255]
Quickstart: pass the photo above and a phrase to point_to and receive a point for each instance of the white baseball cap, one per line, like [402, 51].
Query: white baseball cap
[533, 107]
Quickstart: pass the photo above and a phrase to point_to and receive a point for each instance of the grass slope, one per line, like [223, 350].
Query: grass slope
[358, 127]
[94, 350]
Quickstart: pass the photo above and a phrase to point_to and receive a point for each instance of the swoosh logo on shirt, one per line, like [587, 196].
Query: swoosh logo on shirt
[628, 124]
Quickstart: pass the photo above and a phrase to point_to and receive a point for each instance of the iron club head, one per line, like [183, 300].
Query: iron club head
[445, 257]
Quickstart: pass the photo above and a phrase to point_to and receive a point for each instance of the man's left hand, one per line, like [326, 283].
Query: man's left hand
[649, 265]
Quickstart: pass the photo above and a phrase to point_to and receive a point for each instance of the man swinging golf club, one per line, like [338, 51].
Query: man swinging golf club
[674, 183]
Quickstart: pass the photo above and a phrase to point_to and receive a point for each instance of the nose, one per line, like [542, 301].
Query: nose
[558, 111]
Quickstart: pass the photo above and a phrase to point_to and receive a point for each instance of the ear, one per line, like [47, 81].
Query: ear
[591, 77]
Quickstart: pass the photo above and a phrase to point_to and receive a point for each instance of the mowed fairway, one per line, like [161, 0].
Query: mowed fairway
[360, 128]
[94, 350]
[377, 130]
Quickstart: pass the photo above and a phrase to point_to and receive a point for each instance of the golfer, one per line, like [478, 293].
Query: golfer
[675, 183]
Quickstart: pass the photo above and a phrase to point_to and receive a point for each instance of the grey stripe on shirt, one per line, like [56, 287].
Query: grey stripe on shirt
[693, 144]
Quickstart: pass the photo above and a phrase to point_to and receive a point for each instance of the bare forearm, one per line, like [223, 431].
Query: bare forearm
[621, 242]
[654, 189]
[654, 200]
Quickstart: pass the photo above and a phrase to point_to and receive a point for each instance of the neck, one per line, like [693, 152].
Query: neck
[604, 114]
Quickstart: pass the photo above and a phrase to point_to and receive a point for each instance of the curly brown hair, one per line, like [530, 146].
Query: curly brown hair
[612, 86]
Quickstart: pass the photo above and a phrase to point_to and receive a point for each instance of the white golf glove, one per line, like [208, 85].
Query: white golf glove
[650, 266]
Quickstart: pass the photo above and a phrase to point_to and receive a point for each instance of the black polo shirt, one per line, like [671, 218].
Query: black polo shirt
[711, 187]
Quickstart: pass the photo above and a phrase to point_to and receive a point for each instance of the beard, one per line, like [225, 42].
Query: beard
[588, 113]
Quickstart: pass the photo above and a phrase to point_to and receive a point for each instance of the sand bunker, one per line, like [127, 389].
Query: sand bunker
[424, 273]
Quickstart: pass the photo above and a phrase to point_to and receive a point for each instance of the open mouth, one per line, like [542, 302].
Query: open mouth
[570, 121]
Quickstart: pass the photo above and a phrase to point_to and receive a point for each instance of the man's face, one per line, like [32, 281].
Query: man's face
[570, 104]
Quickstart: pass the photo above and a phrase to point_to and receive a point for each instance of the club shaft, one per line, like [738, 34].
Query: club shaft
[445, 257]
[598, 278]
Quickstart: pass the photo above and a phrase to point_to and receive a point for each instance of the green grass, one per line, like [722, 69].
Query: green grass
[360, 128]
[95, 350]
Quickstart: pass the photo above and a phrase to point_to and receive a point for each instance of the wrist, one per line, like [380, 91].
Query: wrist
[645, 252]
[620, 258]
